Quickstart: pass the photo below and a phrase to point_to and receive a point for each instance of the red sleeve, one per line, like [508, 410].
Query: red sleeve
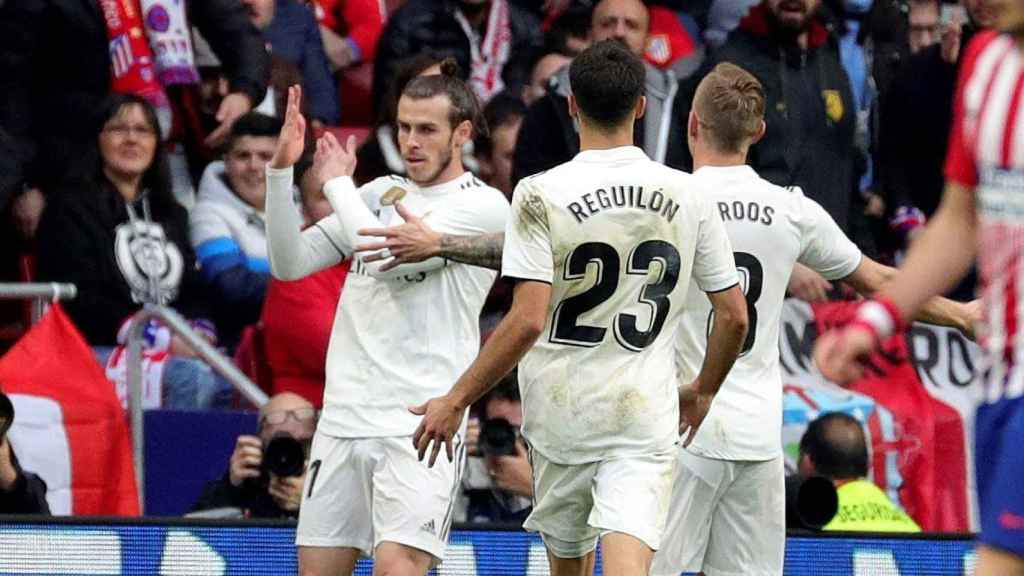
[960, 164]
[365, 22]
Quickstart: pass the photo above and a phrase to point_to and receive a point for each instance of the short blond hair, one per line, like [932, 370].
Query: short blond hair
[730, 107]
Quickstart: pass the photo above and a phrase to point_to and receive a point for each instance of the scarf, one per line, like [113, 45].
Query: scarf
[488, 58]
[150, 48]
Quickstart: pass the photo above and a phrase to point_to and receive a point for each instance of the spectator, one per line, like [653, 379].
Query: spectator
[48, 103]
[248, 485]
[498, 484]
[810, 111]
[548, 136]
[916, 121]
[379, 155]
[504, 115]
[291, 33]
[118, 235]
[915, 127]
[569, 32]
[20, 492]
[923, 24]
[493, 41]
[544, 70]
[350, 30]
[833, 446]
[297, 317]
[227, 227]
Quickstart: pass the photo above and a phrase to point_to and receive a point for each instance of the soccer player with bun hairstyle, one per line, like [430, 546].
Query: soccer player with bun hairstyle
[603, 249]
[727, 513]
[981, 216]
[402, 334]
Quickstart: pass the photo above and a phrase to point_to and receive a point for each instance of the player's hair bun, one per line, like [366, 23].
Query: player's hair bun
[449, 67]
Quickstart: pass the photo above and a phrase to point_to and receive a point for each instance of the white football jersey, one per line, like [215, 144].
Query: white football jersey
[619, 237]
[770, 228]
[402, 337]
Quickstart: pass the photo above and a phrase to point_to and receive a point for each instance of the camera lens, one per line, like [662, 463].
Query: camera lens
[284, 456]
[498, 437]
[6, 414]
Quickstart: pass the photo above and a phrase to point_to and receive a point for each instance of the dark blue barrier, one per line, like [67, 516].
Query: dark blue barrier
[184, 451]
[210, 548]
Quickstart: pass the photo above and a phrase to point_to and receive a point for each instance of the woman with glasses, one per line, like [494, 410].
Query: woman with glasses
[118, 235]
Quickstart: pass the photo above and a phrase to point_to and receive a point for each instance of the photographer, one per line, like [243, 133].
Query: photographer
[498, 483]
[20, 492]
[266, 473]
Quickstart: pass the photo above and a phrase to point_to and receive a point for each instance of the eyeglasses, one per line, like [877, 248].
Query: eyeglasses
[122, 130]
[279, 417]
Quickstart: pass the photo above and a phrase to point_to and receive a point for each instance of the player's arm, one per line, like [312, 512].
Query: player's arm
[870, 276]
[334, 164]
[937, 260]
[415, 241]
[504, 349]
[728, 331]
[293, 253]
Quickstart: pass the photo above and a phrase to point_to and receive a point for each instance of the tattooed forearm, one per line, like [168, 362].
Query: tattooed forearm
[483, 251]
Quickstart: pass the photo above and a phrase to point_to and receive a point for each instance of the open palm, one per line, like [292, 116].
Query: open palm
[293, 134]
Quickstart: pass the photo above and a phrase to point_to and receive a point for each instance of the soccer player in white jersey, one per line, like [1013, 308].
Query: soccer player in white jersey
[727, 514]
[400, 336]
[981, 214]
[603, 248]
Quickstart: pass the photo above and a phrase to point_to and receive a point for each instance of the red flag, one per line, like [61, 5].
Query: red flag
[922, 450]
[69, 425]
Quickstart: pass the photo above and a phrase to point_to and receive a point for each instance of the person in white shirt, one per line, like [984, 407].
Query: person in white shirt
[727, 514]
[603, 249]
[400, 336]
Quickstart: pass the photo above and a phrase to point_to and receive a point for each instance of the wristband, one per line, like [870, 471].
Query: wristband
[881, 316]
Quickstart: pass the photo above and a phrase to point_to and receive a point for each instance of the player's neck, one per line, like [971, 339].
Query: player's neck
[451, 172]
[594, 139]
[704, 157]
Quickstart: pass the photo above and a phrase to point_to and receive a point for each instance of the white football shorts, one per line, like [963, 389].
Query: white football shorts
[574, 505]
[360, 492]
[727, 518]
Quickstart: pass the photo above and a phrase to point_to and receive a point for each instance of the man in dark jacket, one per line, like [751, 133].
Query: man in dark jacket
[548, 136]
[245, 486]
[493, 41]
[810, 116]
[292, 33]
[55, 68]
[20, 492]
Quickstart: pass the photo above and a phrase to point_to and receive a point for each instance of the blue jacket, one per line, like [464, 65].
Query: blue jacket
[294, 36]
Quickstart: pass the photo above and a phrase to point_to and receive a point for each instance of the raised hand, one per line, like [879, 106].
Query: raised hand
[332, 160]
[292, 140]
[840, 354]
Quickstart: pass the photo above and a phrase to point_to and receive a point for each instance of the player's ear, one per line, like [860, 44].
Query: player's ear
[574, 110]
[641, 107]
[760, 133]
[463, 132]
[692, 126]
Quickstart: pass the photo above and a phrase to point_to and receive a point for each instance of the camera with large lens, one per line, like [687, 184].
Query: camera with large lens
[284, 456]
[811, 503]
[498, 437]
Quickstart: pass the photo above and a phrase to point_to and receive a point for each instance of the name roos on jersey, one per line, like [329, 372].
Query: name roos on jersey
[623, 197]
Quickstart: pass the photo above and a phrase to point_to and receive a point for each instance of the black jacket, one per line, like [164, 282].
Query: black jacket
[251, 497]
[55, 69]
[810, 117]
[916, 119]
[84, 238]
[548, 136]
[429, 26]
[27, 496]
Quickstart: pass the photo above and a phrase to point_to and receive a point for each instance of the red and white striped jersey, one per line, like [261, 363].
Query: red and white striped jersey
[986, 154]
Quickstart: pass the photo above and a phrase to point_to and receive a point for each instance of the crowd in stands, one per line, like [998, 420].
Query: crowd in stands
[135, 136]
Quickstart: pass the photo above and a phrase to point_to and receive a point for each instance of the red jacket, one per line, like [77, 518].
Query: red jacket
[297, 321]
[360, 20]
